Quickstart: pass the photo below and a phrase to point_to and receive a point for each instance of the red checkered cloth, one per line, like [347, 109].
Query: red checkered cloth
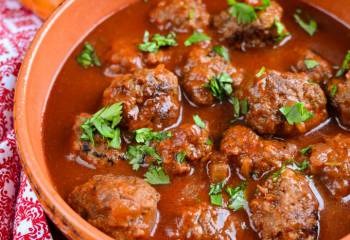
[21, 216]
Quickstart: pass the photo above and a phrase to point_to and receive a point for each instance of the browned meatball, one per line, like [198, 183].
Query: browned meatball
[253, 154]
[123, 207]
[99, 153]
[218, 168]
[259, 33]
[150, 98]
[339, 93]
[188, 140]
[274, 90]
[180, 15]
[317, 68]
[285, 208]
[202, 66]
[330, 161]
[204, 222]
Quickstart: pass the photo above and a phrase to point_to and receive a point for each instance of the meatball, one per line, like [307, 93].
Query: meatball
[97, 153]
[150, 98]
[318, 69]
[259, 33]
[339, 93]
[330, 160]
[218, 168]
[180, 15]
[253, 154]
[202, 66]
[188, 144]
[123, 207]
[206, 222]
[285, 208]
[274, 90]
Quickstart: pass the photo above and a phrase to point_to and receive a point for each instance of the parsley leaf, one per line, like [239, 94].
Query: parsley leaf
[311, 64]
[144, 135]
[221, 86]
[196, 37]
[209, 142]
[156, 176]
[104, 122]
[243, 12]
[237, 196]
[296, 113]
[180, 157]
[261, 72]
[281, 30]
[215, 193]
[334, 89]
[345, 65]
[310, 27]
[265, 4]
[136, 155]
[240, 107]
[198, 121]
[306, 150]
[278, 173]
[88, 57]
[157, 42]
[222, 51]
[216, 199]
[302, 166]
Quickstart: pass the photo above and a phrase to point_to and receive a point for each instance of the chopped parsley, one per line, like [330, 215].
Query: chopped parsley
[296, 113]
[155, 175]
[157, 42]
[199, 122]
[209, 142]
[261, 72]
[105, 123]
[222, 51]
[196, 37]
[265, 4]
[306, 150]
[144, 135]
[88, 57]
[309, 27]
[278, 173]
[302, 166]
[334, 89]
[180, 157]
[237, 196]
[221, 86]
[281, 30]
[345, 65]
[245, 13]
[240, 107]
[136, 155]
[215, 193]
[311, 64]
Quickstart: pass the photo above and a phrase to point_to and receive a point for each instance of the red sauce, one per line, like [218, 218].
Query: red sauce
[78, 90]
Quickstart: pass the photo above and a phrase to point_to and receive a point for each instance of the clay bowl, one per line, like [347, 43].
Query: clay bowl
[51, 47]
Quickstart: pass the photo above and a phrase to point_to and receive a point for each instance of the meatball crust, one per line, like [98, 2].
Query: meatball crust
[205, 222]
[253, 154]
[259, 33]
[202, 65]
[150, 98]
[267, 94]
[285, 208]
[330, 160]
[180, 15]
[187, 139]
[99, 154]
[218, 168]
[339, 93]
[123, 207]
[320, 73]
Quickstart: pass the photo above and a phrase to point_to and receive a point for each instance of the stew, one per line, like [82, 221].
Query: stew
[191, 119]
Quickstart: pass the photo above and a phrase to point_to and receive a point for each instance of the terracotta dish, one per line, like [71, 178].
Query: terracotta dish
[167, 119]
[42, 8]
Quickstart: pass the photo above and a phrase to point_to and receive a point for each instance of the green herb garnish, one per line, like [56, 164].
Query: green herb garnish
[196, 37]
[88, 57]
[144, 135]
[155, 175]
[345, 65]
[198, 121]
[221, 86]
[310, 27]
[237, 196]
[311, 64]
[158, 41]
[302, 166]
[245, 13]
[334, 89]
[296, 113]
[180, 157]
[261, 72]
[281, 30]
[104, 122]
[278, 173]
[240, 107]
[306, 150]
[136, 155]
[209, 142]
[222, 51]
[215, 193]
